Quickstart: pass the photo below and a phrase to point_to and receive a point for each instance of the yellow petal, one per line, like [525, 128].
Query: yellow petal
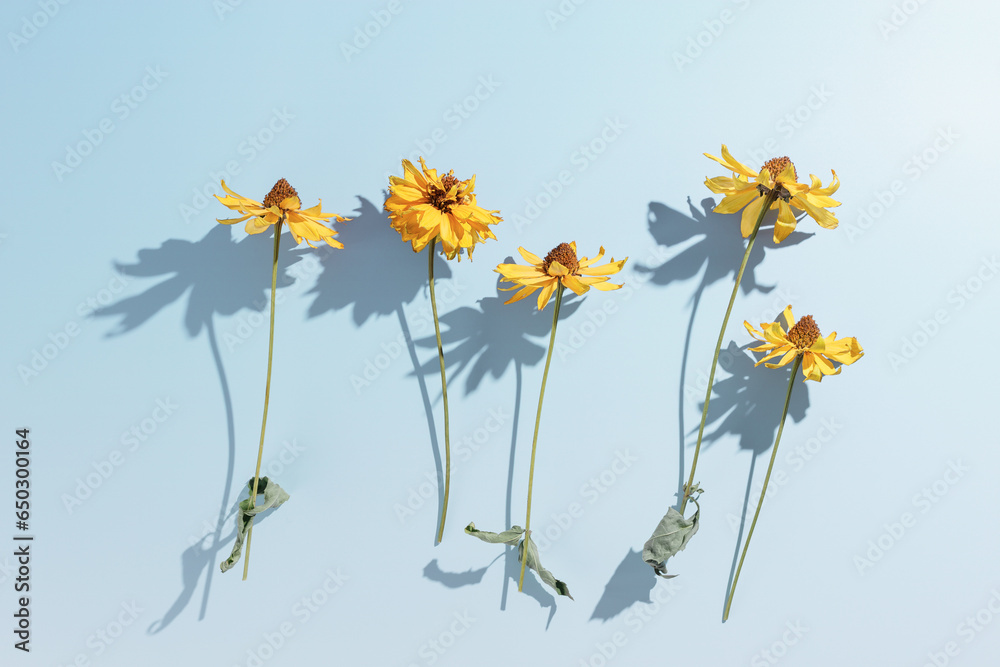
[770, 354]
[253, 228]
[529, 257]
[605, 270]
[820, 215]
[229, 221]
[785, 224]
[734, 202]
[723, 184]
[523, 292]
[752, 331]
[585, 262]
[787, 175]
[828, 190]
[557, 269]
[571, 282]
[789, 355]
[543, 296]
[750, 215]
[789, 318]
[518, 271]
[731, 163]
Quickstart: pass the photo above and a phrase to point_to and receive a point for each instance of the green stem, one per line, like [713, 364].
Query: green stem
[718, 347]
[534, 440]
[763, 491]
[267, 394]
[444, 391]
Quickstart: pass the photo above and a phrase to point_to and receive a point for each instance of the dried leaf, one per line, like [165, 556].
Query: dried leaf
[274, 496]
[671, 535]
[506, 537]
[509, 537]
[533, 562]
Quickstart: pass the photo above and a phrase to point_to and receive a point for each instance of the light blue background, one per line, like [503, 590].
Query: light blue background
[127, 230]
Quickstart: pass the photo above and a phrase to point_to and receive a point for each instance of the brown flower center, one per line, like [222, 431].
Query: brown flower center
[565, 255]
[804, 333]
[438, 198]
[281, 191]
[776, 165]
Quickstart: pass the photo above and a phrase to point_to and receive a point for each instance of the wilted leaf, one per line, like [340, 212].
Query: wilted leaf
[509, 537]
[671, 535]
[274, 496]
[506, 537]
[533, 562]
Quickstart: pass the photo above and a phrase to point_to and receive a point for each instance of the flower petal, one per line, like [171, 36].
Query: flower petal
[571, 282]
[545, 294]
[785, 224]
[557, 269]
[606, 270]
[789, 318]
[732, 163]
[520, 294]
[734, 202]
[529, 257]
[750, 215]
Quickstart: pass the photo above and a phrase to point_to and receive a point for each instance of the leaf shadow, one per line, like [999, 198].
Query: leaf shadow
[532, 587]
[632, 581]
[202, 557]
[434, 572]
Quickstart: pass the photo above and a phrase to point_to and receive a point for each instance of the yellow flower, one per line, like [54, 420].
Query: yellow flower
[282, 204]
[559, 266]
[804, 338]
[778, 176]
[425, 206]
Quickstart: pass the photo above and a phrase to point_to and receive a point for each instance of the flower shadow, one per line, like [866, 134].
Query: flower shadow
[204, 271]
[493, 337]
[716, 251]
[488, 340]
[378, 277]
[748, 404]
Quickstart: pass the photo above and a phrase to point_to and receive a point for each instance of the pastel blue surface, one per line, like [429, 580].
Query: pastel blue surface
[135, 339]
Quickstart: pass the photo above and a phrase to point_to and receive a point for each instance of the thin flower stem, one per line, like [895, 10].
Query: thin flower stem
[444, 391]
[534, 440]
[718, 347]
[267, 394]
[763, 491]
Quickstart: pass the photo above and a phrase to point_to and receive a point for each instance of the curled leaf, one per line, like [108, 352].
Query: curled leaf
[509, 537]
[671, 535]
[533, 562]
[274, 496]
[506, 537]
